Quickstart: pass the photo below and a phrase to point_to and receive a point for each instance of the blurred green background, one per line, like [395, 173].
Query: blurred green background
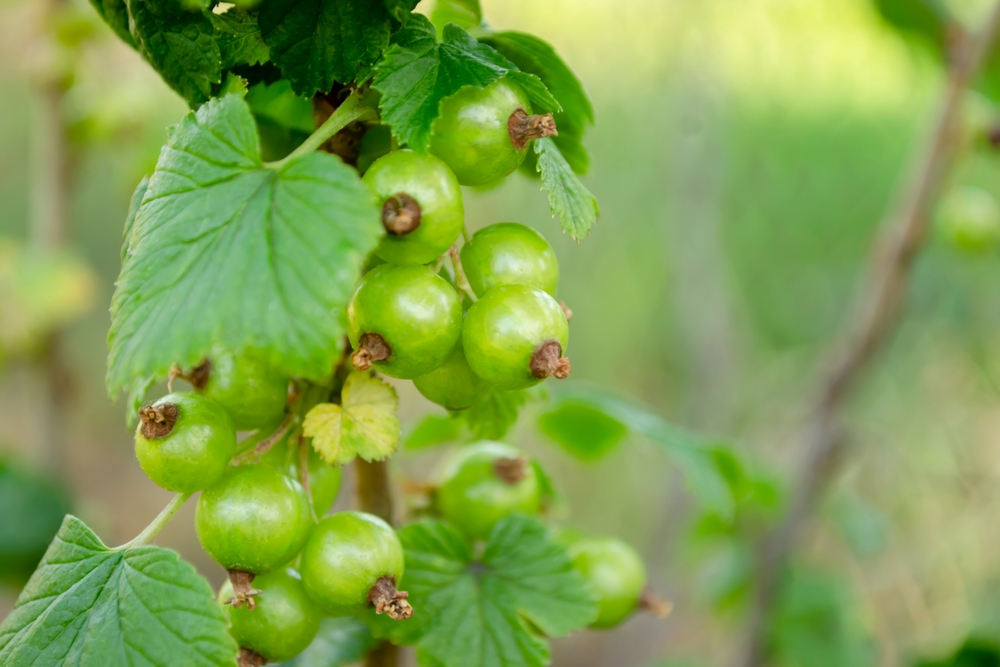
[744, 154]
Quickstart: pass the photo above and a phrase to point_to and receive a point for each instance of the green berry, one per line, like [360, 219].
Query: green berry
[354, 560]
[452, 385]
[283, 620]
[251, 390]
[515, 336]
[404, 320]
[184, 442]
[483, 133]
[615, 573]
[507, 253]
[421, 206]
[324, 479]
[255, 519]
[485, 482]
[969, 217]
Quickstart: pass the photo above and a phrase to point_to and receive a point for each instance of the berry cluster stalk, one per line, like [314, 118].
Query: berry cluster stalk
[879, 306]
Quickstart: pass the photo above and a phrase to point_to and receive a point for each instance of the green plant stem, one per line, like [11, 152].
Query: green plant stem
[348, 112]
[161, 520]
[461, 280]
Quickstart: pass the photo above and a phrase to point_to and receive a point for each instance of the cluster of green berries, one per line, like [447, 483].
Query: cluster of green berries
[407, 318]
[263, 516]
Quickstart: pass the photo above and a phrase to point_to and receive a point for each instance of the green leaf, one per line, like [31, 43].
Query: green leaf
[115, 14]
[417, 73]
[574, 205]
[493, 413]
[709, 469]
[433, 430]
[279, 104]
[364, 424]
[238, 37]
[484, 611]
[400, 9]
[133, 211]
[180, 45]
[586, 432]
[91, 606]
[340, 642]
[319, 42]
[536, 56]
[466, 14]
[229, 250]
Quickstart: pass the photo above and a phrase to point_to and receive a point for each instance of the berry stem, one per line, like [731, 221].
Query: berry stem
[348, 112]
[154, 528]
[304, 473]
[461, 280]
[265, 445]
[466, 236]
[652, 604]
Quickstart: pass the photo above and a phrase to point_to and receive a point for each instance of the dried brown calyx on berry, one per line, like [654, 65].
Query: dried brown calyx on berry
[523, 127]
[400, 214]
[157, 420]
[511, 470]
[547, 360]
[387, 600]
[371, 347]
[243, 592]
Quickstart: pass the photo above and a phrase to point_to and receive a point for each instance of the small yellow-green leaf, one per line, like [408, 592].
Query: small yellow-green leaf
[365, 424]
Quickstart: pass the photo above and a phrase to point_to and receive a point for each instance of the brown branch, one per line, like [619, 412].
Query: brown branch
[879, 301]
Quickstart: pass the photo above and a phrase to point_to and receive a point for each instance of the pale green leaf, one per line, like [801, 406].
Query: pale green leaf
[364, 424]
[466, 14]
[569, 200]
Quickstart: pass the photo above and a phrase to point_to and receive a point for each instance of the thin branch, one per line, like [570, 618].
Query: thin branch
[265, 445]
[461, 280]
[161, 520]
[348, 112]
[879, 302]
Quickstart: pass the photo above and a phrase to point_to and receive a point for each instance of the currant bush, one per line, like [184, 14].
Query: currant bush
[304, 232]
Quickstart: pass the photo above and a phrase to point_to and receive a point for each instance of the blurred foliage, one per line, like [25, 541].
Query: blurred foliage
[975, 652]
[40, 291]
[31, 510]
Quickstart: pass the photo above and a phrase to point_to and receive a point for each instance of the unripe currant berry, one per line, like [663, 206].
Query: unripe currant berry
[324, 479]
[614, 572]
[508, 253]
[452, 385]
[251, 390]
[514, 337]
[352, 561]
[184, 442]
[403, 320]
[483, 133]
[283, 622]
[484, 482]
[421, 206]
[252, 521]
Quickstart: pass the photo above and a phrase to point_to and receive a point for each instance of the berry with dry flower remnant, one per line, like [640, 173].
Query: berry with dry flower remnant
[485, 482]
[184, 442]
[252, 521]
[515, 336]
[403, 320]
[483, 133]
[354, 560]
[421, 206]
[283, 622]
[251, 390]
